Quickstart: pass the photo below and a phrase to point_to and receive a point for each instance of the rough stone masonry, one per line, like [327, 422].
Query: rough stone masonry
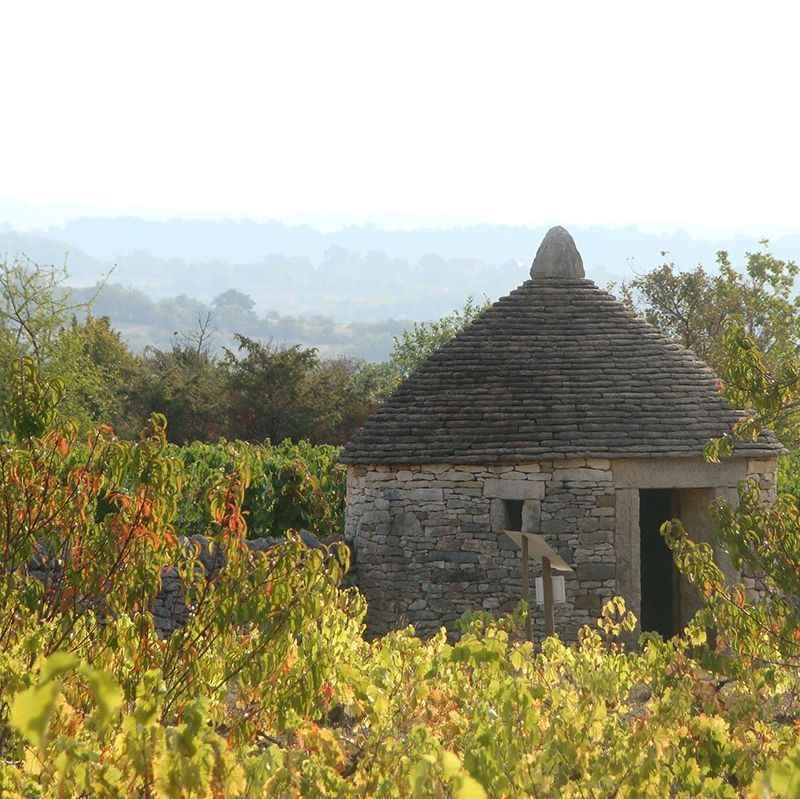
[431, 546]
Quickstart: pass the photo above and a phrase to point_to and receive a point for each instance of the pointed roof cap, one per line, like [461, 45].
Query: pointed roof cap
[557, 369]
[557, 256]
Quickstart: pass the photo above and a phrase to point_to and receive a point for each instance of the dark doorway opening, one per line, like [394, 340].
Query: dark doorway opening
[660, 600]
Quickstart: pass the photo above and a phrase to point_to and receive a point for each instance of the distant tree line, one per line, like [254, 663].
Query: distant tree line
[255, 389]
[144, 321]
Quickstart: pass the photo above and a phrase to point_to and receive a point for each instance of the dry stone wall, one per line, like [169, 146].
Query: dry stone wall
[429, 542]
[766, 472]
[170, 611]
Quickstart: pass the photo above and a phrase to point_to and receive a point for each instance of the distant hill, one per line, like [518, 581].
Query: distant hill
[359, 274]
[606, 250]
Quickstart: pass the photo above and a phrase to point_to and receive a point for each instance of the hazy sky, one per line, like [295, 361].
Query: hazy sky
[534, 112]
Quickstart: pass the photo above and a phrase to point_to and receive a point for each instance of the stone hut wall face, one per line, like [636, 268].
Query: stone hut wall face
[429, 541]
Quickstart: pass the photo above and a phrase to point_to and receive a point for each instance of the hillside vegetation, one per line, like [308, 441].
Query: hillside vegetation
[346, 292]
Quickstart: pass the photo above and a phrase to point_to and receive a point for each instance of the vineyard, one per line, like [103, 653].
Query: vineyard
[290, 486]
[270, 690]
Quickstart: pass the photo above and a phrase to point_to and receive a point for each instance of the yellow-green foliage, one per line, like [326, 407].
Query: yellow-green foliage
[487, 717]
[270, 690]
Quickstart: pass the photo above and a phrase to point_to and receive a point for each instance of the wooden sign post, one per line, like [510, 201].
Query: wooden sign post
[547, 588]
[526, 589]
[550, 560]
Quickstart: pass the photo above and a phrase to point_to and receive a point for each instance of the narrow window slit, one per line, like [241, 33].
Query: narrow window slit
[513, 514]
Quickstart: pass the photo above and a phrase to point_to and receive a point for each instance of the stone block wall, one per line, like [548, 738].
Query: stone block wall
[767, 475]
[429, 542]
[170, 611]
[766, 472]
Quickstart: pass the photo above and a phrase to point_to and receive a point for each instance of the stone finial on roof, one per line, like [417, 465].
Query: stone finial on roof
[557, 256]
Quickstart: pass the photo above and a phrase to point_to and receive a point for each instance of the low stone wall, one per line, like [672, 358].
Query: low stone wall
[169, 610]
[429, 542]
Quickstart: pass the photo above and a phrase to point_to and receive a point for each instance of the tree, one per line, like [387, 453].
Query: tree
[270, 393]
[694, 307]
[415, 346]
[346, 392]
[233, 297]
[375, 382]
[97, 368]
[35, 306]
[186, 385]
[40, 318]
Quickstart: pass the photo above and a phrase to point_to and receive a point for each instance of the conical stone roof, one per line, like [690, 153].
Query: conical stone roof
[557, 369]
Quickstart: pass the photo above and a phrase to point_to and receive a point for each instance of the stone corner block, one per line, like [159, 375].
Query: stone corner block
[498, 518]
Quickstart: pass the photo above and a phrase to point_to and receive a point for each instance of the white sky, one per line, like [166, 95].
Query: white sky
[536, 112]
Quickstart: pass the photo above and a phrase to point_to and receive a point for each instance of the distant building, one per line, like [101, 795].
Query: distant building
[557, 411]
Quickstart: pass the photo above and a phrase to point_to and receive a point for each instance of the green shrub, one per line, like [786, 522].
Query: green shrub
[291, 486]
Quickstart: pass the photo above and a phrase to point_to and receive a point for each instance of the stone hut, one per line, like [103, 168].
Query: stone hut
[558, 411]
